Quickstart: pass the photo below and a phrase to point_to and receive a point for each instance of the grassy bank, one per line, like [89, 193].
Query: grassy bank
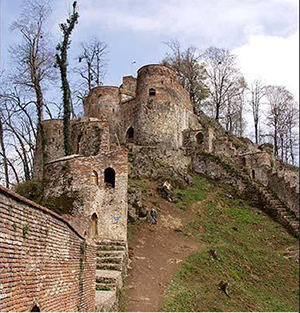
[251, 256]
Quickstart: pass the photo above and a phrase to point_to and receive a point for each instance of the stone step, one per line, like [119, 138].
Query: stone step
[108, 276]
[294, 225]
[276, 203]
[106, 301]
[112, 260]
[281, 208]
[113, 253]
[289, 218]
[109, 266]
[106, 286]
[111, 242]
[105, 280]
[110, 248]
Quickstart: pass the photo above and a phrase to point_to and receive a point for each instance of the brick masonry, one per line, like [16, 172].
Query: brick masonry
[44, 261]
[81, 181]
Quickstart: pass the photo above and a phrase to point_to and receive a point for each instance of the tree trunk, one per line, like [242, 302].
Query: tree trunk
[256, 132]
[4, 154]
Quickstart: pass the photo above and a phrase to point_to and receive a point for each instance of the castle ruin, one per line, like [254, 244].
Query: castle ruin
[152, 118]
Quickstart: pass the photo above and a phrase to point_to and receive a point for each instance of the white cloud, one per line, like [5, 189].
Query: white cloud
[273, 59]
[215, 22]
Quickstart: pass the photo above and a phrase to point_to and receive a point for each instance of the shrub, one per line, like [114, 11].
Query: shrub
[31, 189]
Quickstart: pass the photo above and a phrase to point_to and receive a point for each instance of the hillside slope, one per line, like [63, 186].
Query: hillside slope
[172, 267]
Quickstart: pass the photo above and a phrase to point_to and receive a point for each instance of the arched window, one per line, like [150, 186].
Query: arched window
[35, 309]
[152, 92]
[95, 180]
[109, 177]
[253, 174]
[78, 143]
[94, 225]
[130, 134]
[199, 139]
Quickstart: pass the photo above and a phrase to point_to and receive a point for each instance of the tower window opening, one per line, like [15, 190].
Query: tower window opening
[152, 92]
[253, 174]
[199, 139]
[78, 143]
[109, 177]
[130, 134]
[35, 309]
[94, 224]
[95, 179]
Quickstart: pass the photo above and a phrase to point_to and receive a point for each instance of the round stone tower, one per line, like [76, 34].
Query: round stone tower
[163, 108]
[102, 102]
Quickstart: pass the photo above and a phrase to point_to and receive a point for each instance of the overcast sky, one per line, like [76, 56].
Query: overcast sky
[263, 33]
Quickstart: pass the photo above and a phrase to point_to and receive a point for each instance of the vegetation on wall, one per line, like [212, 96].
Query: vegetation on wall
[62, 61]
[32, 189]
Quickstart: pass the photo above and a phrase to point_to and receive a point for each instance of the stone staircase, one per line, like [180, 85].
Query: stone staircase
[272, 205]
[110, 270]
[280, 212]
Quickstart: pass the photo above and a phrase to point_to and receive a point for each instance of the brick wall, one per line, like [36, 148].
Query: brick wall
[44, 261]
[80, 182]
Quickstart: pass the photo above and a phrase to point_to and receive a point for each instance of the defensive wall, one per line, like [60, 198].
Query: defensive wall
[46, 264]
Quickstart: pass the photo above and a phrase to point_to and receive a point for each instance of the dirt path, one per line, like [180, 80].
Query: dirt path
[155, 252]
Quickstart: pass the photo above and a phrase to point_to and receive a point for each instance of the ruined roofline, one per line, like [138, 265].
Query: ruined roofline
[156, 65]
[80, 156]
[30, 203]
[103, 87]
[83, 119]
[130, 76]
[49, 120]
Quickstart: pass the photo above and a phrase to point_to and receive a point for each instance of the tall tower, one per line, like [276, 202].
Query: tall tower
[163, 107]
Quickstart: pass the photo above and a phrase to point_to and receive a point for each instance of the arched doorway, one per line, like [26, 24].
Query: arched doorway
[109, 177]
[35, 309]
[199, 139]
[94, 225]
[130, 134]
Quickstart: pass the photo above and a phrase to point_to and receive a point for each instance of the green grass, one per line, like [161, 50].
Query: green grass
[250, 248]
[195, 193]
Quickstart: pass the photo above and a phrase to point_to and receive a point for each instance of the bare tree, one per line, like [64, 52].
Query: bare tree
[33, 57]
[234, 107]
[279, 100]
[18, 133]
[62, 61]
[92, 61]
[222, 74]
[257, 90]
[3, 151]
[190, 70]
